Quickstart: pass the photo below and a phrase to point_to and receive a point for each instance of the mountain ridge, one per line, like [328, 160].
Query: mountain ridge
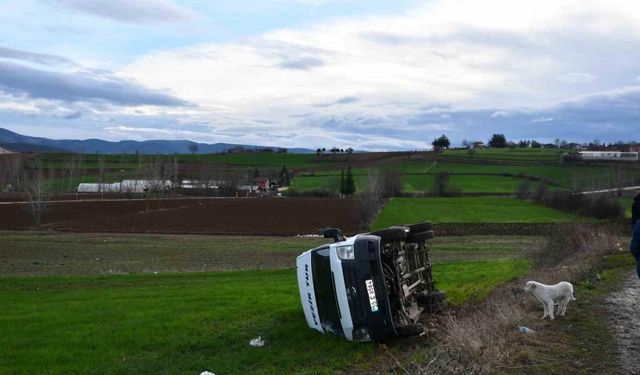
[95, 145]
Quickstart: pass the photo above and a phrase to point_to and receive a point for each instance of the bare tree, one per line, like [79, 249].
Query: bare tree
[81, 167]
[372, 195]
[175, 171]
[11, 166]
[207, 178]
[157, 176]
[440, 183]
[101, 169]
[392, 183]
[14, 172]
[37, 186]
[70, 169]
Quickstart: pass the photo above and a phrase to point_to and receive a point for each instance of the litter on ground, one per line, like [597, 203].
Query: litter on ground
[525, 330]
[257, 342]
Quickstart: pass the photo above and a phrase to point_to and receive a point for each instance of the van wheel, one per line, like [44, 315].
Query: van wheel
[421, 236]
[391, 234]
[409, 330]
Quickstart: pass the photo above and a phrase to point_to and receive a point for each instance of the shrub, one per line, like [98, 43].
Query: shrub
[524, 189]
[599, 206]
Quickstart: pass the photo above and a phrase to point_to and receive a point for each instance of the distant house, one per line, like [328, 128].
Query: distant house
[248, 188]
[573, 146]
[262, 183]
[477, 145]
[141, 186]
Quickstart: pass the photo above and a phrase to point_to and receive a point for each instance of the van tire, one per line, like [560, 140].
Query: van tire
[391, 234]
[421, 227]
[421, 236]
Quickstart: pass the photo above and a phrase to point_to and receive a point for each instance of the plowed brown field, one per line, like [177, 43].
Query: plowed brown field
[259, 216]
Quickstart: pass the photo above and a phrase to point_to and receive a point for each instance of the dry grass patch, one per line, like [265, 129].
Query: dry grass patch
[480, 338]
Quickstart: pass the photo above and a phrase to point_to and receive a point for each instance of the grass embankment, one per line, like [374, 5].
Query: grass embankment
[190, 322]
[467, 210]
[583, 341]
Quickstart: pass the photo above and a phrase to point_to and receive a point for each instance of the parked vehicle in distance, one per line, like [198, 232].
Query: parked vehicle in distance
[372, 286]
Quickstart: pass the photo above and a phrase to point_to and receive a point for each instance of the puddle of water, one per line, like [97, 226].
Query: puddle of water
[624, 317]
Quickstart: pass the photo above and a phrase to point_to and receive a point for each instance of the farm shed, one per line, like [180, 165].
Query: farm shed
[140, 186]
[98, 188]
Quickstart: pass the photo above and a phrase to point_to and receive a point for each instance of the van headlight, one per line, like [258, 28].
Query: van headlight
[361, 334]
[345, 252]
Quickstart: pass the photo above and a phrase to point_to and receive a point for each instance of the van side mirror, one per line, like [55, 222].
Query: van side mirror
[332, 233]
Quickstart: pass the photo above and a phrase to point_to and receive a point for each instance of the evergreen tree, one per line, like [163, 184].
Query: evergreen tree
[284, 179]
[349, 183]
[498, 141]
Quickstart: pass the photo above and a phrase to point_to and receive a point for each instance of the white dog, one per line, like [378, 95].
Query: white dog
[550, 295]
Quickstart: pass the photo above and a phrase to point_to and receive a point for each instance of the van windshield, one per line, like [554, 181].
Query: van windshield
[325, 291]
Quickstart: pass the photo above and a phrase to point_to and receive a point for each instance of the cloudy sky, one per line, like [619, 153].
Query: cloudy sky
[376, 75]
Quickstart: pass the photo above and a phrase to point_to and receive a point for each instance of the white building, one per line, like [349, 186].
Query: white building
[98, 188]
[126, 186]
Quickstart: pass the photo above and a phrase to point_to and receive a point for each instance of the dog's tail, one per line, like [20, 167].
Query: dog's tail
[572, 297]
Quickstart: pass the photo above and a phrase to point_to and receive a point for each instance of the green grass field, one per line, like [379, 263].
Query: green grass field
[320, 172]
[179, 323]
[626, 203]
[579, 176]
[519, 154]
[467, 184]
[474, 280]
[467, 210]
[29, 253]
[476, 178]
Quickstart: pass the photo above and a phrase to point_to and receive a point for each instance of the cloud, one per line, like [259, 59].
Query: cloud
[78, 87]
[340, 101]
[72, 115]
[302, 63]
[40, 58]
[465, 67]
[500, 114]
[542, 119]
[573, 78]
[131, 11]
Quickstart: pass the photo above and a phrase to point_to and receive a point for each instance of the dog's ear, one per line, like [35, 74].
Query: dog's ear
[533, 285]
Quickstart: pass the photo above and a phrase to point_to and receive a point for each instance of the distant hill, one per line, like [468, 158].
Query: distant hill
[19, 142]
[25, 147]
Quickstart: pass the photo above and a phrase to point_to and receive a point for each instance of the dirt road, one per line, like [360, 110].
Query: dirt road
[624, 316]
